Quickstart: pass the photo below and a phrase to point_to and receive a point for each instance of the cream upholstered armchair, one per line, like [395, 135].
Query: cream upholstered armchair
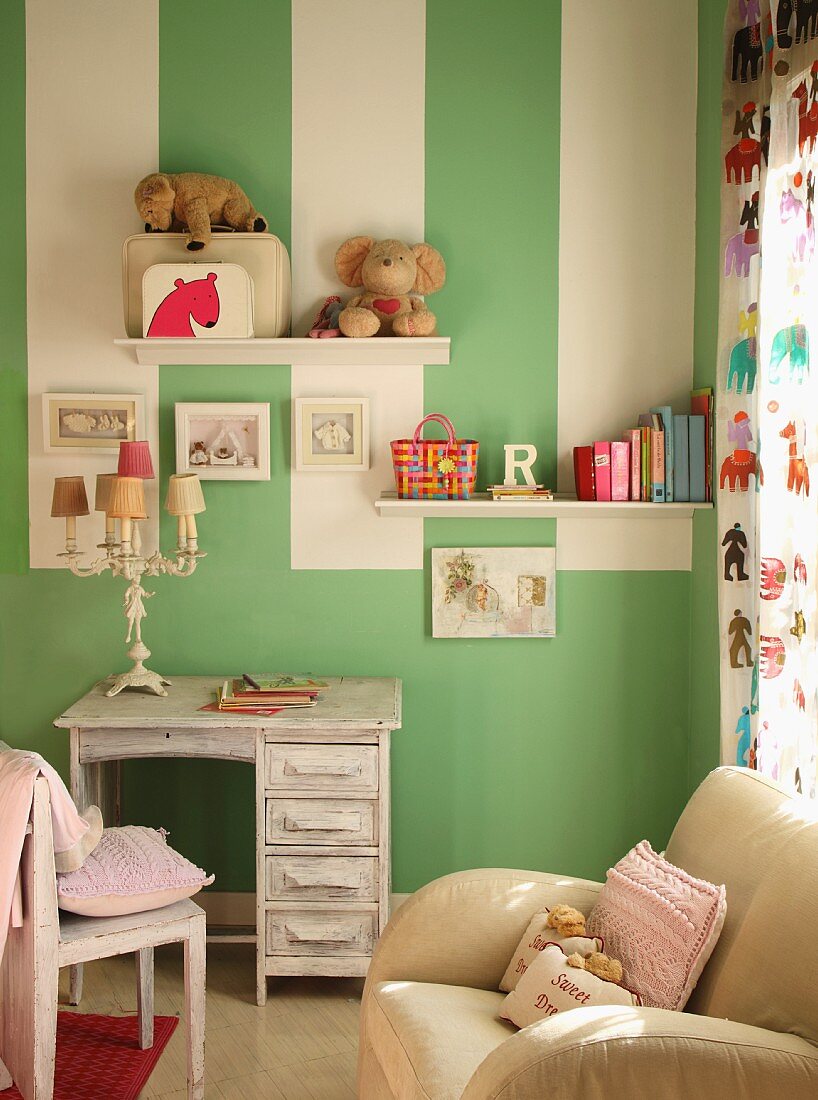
[430, 1027]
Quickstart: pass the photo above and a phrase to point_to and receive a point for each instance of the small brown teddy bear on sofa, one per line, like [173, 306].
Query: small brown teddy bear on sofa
[566, 920]
[197, 201]
[392, 274]
[609, 970]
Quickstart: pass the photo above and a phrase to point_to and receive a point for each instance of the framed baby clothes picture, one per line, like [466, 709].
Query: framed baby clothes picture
[223, 441]
[331, 433]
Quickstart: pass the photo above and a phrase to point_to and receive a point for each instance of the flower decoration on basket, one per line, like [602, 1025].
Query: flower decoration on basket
[434, 469]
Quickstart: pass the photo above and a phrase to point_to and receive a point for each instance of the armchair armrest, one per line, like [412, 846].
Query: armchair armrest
[462, 929]
[596, 1053]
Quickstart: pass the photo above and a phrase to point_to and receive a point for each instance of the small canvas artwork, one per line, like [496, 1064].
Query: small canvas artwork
[90, 422]
[223, 441]
[496, 592]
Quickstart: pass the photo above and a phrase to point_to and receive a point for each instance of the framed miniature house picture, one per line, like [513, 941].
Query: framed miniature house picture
[223, 442]
[91, 423]
[331, 433]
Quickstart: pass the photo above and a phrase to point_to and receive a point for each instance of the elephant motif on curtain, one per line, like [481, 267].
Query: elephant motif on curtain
[736, 470]
[743, 366]
[806, 21]
[792, 341]
[748, 53]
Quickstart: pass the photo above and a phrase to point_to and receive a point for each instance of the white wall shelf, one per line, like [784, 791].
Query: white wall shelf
[378, 351]
[481, 506]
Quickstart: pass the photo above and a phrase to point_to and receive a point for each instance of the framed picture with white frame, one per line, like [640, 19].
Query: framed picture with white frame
[331, 433]
[223, 441]
[91, 423]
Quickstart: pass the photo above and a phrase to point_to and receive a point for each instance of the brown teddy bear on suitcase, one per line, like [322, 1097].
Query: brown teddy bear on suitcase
[195, 201]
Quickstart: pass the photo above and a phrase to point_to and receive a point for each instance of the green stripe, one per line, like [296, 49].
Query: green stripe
[13, 358]
[225, 107]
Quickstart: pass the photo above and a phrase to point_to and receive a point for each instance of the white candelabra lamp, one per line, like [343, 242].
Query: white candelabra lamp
[121, 496]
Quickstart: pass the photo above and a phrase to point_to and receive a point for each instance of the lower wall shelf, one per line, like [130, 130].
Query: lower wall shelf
[481, 506]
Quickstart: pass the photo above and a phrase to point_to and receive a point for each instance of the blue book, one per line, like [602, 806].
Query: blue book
[681, 459]
[698, 476]
[666, 414]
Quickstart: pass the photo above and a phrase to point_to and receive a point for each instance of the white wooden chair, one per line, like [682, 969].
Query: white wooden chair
[49, 940]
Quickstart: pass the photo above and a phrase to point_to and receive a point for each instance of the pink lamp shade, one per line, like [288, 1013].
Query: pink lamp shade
[69, 497]
[127, 499]
[135, 459]
[104, 492]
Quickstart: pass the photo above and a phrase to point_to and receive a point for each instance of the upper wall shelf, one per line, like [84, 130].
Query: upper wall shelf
[481, 506]
[378, 351]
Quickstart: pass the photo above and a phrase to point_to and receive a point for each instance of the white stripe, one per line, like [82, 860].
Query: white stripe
[92, 131]
[357, 168]
[624, 544]
[627, 234]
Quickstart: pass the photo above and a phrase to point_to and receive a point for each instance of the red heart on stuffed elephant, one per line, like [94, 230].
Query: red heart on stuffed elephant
[386, 305]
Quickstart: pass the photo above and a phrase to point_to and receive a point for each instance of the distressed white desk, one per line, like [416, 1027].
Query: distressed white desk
[321, 805]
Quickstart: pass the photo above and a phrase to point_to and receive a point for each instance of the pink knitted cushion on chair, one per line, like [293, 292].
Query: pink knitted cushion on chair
[131, 870]
[661, 923]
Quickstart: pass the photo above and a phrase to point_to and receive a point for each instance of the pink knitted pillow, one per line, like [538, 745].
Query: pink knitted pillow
[131, 870]
[661, 923]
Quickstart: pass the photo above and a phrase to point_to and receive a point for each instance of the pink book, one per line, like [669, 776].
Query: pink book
[634, 440]
[620, 470]
[602, 470]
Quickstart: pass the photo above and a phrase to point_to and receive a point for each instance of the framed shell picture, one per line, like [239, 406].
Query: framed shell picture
[91, 423]
[496, 592]
[331, 433]
[223, 441]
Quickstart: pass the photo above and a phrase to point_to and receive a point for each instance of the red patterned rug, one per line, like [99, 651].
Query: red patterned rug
[98, 1057]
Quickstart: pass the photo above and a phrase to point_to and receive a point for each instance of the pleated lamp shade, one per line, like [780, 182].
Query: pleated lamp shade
[135, 459]
[105, 489]
[128, 499]
[185, 497]
[69, 497]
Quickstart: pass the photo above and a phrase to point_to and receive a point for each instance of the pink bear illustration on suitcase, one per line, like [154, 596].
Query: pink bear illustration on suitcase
[198, 299]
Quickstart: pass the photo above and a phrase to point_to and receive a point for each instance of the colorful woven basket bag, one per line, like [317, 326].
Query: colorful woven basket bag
[433, 469]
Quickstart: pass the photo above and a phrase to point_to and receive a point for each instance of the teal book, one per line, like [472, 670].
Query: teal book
[697, 460]
[681, 459]
[666, 414]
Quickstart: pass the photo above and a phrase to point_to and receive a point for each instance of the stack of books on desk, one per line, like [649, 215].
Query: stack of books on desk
[254, 693]
[519, 492]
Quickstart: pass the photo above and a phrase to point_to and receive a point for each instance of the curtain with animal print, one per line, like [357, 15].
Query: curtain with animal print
[767, 403]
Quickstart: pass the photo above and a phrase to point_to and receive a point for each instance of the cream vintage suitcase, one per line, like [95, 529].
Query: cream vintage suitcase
[262, 256]
[197, 300]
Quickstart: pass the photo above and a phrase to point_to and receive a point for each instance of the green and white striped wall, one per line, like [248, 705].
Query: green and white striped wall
[548, 151]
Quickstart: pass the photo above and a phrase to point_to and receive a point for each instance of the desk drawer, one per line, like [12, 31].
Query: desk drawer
[322, 932]
[323, 820]
[322, 878]
[166, 741]
[330, 768]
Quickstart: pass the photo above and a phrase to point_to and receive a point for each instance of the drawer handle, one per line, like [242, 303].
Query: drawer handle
[304, 880]
[317, 933]
[352, 769]
[324, 823]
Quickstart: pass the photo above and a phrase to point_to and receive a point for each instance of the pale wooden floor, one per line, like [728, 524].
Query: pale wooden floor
[301, 1046]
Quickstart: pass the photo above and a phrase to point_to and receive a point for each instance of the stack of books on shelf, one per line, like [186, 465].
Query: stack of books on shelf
[667, 457]
[519, 492]
[259, 695]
